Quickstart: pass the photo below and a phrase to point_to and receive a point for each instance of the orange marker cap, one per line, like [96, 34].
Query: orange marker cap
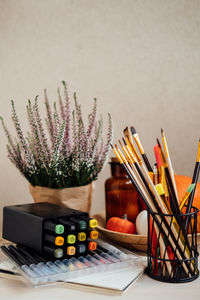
[59, 241]
[94, 234]
[71, 250]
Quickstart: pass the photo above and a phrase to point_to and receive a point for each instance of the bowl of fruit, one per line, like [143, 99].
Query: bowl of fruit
[122, 231]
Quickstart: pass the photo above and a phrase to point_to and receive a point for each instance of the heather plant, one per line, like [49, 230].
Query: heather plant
[65, 152]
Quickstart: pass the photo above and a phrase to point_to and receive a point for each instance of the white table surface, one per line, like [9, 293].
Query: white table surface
[143, 288]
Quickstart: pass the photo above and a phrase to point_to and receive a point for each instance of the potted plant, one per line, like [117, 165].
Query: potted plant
[61, 165]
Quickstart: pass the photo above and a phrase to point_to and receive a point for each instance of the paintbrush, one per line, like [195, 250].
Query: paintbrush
[129, 141]
[141, 149]
[194, 180]
[167, 228]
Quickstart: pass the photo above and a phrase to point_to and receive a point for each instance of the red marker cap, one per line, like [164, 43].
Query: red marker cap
[157, 155]
[92, 246]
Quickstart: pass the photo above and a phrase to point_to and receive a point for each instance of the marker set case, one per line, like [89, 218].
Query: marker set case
[55, 243]
[51, 271]
[51, 229]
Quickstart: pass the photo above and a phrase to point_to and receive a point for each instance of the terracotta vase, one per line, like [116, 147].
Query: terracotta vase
[79, 198]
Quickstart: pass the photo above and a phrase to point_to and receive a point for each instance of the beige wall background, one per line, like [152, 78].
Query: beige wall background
[141, 59]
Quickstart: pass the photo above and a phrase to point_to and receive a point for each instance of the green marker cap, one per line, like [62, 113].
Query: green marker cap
[82, 224]
[59, 229]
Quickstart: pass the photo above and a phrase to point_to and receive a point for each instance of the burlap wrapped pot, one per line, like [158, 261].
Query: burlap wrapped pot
[79, 198]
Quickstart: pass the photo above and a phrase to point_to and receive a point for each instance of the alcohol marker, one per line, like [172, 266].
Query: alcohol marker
[93, 234]
[26, 261]
[112, 248]
[54, 267]
[69, 226]
[82, 225]
[23, 267]
[81, 248]
[56, 240]
[77, 263]
[69, 264]
[98, 257]
[107, 256]
[35, 260]
[56, 252]
[27, 254]
[86, 262]
[109, 252]
[92, 223]
[92, 246]
[71, 250]
[71, 239]
[81, 236]
[93, 260]
[54, 227]
[61, 265]
[36, 255]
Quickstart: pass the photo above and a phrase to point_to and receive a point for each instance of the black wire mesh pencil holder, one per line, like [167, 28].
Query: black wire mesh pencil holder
[172, 247]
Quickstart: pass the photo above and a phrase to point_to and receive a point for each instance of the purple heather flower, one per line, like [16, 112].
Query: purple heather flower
[75, 156]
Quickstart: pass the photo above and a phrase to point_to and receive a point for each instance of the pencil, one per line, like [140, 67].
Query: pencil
[141, 149]
[171, 171]
[160, 156]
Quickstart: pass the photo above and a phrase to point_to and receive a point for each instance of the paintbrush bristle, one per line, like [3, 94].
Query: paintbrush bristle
[126, 129]
[162, 131]
[158, 143]
[120, 143]
[133, 131]
[126, 132]
[124, 141]
[111, 146]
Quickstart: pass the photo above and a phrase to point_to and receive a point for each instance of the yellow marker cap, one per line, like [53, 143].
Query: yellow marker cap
[81, 236]
[94, 234]
[159, 189]
[71, 250]
[71, 239]
[59, 241]
[93, 223]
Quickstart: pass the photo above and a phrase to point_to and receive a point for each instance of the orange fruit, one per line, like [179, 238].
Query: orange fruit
[182, 184]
